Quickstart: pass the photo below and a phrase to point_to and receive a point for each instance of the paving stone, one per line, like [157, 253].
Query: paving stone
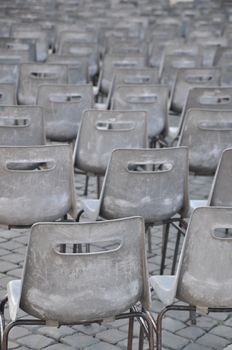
[35, 341]
[196, 347]
[172, 325]
[14, 258]
[91, 329]
[59, 347]
[6, 266]
[213, 341]
[222, 331]
[112, 336]
[191, 332]
[18, 332]
[173, 341]
[56, 333]
[205, 322]
[102, 346]
[11, 245]
[79, 340]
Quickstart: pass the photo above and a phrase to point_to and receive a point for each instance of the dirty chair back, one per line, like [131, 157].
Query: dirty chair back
[37, 184]
[114, 267]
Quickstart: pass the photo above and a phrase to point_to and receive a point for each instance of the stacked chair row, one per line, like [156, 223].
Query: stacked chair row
[138, 94]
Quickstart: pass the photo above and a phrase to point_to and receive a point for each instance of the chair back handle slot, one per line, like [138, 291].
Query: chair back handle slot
[149, 167]
[115, 126]
[87, 248]
[30, 165]
[142, 98]
[222, 233]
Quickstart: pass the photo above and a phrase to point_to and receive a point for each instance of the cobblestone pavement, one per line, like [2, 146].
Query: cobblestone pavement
[210, 332]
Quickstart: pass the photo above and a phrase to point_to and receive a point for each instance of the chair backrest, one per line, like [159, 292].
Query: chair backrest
[114, 61]
[37, 184]
[187, 79]
[77, 67]
[63, 106]
[144, 97]
[77, 287]
[221, 194]
[33, 33]
[8, 56]
[214, 98]
[20, 45]
[173, 62]
[206, 133]
[7, 94]
[152, 183]
[102, 131]
[9, 73]
[21, 126]
[205, 277]
[34, 74]
[87, 51]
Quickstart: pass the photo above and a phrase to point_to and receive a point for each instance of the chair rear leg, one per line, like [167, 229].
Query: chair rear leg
[130, 333]
[141, 338]
[165, 235]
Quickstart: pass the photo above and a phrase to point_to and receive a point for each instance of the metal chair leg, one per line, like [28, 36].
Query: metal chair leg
[176, 252]
[149, 240]
[141, 338]
[130, 333]
[86, 185]
[165, 235]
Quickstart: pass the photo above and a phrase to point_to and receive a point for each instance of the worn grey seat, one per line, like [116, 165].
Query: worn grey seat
[21, 126]
[220, 193]
[63, 106]
[83, 50]
[145, 97]
[171, 63]
[214, 98]
[34, 74]
[22, 168]
[205, 289]
[206, 132]
[187, 79]
[77, 67]
[32, 32]
[59, 299]
[152, 183]
[120, 60]
[128, 76]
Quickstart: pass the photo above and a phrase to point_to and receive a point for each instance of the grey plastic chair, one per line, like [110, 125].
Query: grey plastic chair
[35, 74]
[32, 32]
[63, 106]
[128, 76]
[114, 263]
[171, 63]
[206, 133]
[187, 79]
[220, 193]
[114, 61]
[86, 51]
[214, 98]
[77, 67]
[21, 126]
[8, 56]
[152, 183]
[150, 98]
[19, 45]
[7, 94]
[37, 184]
[205, 289]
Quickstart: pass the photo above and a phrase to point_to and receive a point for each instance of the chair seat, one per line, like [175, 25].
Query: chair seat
[165, 287]
[14, 294]
[91, 208]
